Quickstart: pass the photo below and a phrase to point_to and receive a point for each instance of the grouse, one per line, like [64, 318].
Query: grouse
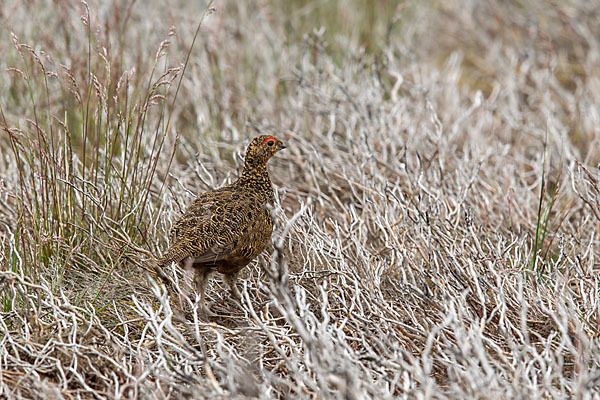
[225, 229]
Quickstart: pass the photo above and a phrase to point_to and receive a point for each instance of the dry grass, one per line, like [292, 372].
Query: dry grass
[438, 224]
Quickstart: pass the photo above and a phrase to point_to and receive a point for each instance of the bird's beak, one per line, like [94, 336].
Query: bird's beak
[282, 146]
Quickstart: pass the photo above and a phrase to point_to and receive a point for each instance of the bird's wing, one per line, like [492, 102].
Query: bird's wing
[201, 213]
[213, 227]
[216, 253]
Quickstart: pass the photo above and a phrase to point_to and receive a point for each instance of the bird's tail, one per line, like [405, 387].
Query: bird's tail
[174, 254]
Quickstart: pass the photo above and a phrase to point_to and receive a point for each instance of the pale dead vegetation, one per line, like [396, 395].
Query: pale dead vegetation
[439, 206]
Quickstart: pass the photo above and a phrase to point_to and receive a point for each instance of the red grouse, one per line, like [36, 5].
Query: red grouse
[225, 229]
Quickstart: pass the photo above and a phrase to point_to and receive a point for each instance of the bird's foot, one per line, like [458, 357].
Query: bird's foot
[235, 293]
[205, 311]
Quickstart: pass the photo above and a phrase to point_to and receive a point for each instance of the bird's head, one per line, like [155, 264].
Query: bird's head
[262, 148]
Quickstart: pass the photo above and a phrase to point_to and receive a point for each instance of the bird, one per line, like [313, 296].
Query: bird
[223, 230]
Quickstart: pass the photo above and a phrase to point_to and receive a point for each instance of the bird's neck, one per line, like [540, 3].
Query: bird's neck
[256, 176]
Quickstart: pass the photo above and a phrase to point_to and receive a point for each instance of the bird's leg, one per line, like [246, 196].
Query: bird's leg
[201, 277]
[230, 280]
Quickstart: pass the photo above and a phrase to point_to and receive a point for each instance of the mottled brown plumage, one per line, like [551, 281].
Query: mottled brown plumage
[224, 229]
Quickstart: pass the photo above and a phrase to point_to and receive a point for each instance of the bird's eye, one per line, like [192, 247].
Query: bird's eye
[270, 143]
